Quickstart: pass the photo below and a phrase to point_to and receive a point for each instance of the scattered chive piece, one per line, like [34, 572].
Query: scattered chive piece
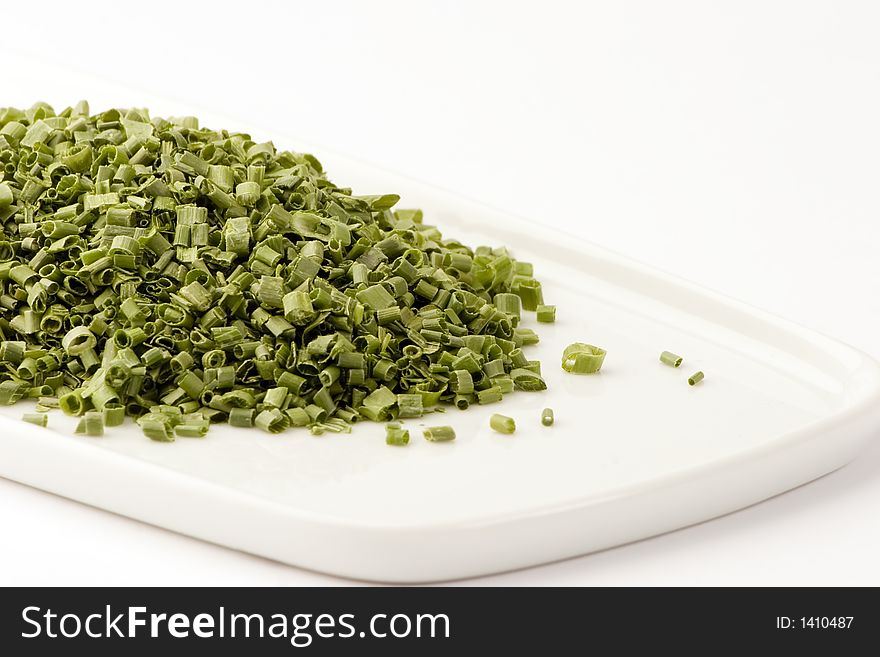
[395, 434]
[182, 276]
[671, 359]
[91, 424]
[40, 419]
[439, 434]
[582, 358]
[546, 314]
[547, 417]
[695, 378]
[502, 423]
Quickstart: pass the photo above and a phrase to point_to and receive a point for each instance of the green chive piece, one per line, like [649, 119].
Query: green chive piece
[546, 314]
[272, 420]
[529, 291]
[526, 379]
[410, 405]
[439, 434]
[91, 424]
[671, 359]
[489, 395]
[695, 378]
[241, 417]
[582, 358]
[11, 392]
[6, 197]
[525, 336]
[396, 435]
[508, 303]
[547, 418]
[114, 414]
[299, 417]
[72, 403]
[502, 423]
[40, 419]
[157, 429]
[199, 430]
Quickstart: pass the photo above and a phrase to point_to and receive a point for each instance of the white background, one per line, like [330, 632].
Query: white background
[736, 144]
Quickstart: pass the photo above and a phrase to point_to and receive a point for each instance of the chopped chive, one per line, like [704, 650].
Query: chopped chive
[529, 290]
[72, 403]
[508, 303]
[272, 421]
[547, 418]
[671, 359]
[695, 378]
[396, 435]
[526, 379]
[410, 405]
[156, 429]
[462, 402]
[114, 414]
[502, 423]
[525, 336]
[91, 424]
[546, 314]
[40, 419]
[242, 417]
[489, 395]
[439, 434]
[582, 358]
[191, 430]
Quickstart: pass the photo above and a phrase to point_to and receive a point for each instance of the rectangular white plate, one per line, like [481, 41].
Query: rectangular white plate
[635, 451]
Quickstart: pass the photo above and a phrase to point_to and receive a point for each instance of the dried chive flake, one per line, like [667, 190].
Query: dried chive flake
[184, 276]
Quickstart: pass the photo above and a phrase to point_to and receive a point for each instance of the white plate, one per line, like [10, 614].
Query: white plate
[635, 451]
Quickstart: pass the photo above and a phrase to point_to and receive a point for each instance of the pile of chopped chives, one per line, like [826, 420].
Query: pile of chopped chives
[183, 276]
